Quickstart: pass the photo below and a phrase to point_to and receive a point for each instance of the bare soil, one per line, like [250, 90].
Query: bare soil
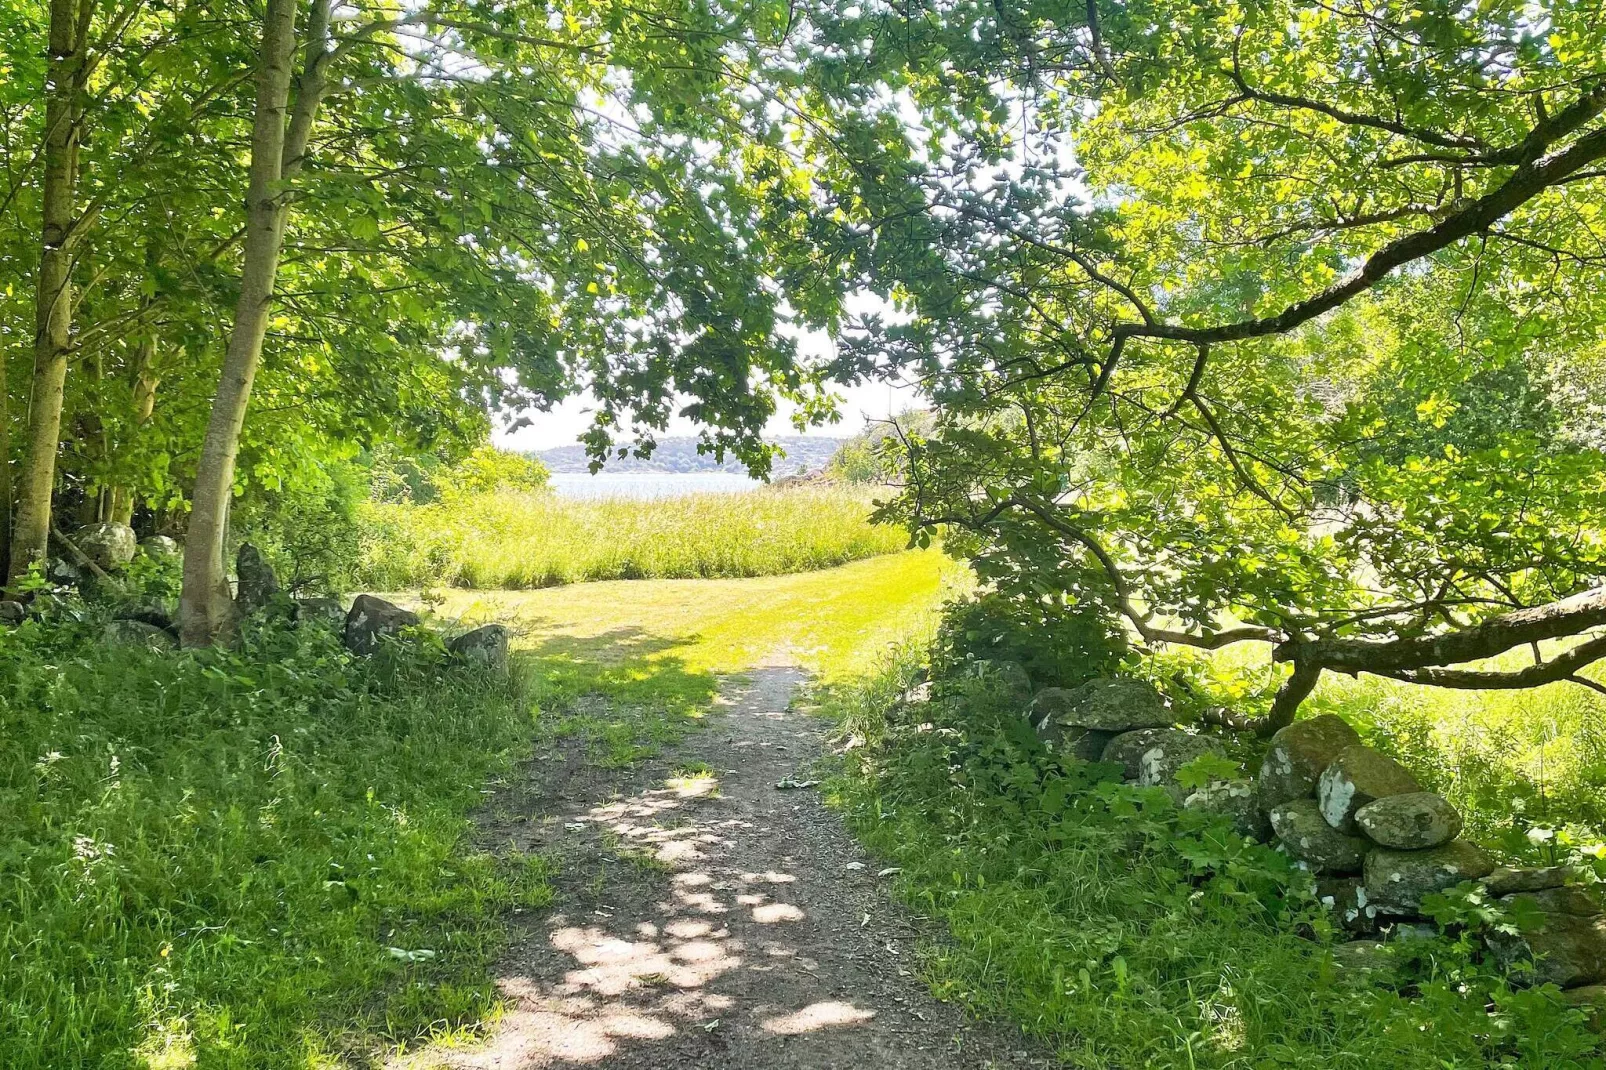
[715, 921]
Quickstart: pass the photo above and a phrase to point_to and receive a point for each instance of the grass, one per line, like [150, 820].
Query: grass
[1127, 934]
[264, 857]
[242, 859]
[523, 541]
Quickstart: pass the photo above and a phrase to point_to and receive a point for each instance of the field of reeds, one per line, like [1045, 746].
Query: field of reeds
[525, 540]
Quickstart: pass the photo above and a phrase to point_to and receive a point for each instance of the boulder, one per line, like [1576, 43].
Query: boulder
[1298, 754]
[1507, 880]
[485, 646]
[1591, 999]
[372, 618]
[259, 584]
[1157, 766]
[137, 633]
[1399, 879]
[1009, 678]
[1565, 950]
[1579, 900]
[1085, 743]
[1345, 898]
[1369, 961]
[108, 544]
[1357, 776]
[12, 612]
[160, 547]
[328, 610]
[1236, 801]
[1307, 837]
[1113, 704]
[1127, 747]
[1410, 822]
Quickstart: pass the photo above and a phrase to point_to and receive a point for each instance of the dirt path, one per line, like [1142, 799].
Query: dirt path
[715, 921]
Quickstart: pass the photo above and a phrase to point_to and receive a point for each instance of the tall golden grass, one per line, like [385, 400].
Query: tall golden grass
[523, 540]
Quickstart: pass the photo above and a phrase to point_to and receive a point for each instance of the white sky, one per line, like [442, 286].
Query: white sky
[565, 423]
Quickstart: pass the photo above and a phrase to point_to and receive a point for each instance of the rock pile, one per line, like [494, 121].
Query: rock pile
[1360, 822]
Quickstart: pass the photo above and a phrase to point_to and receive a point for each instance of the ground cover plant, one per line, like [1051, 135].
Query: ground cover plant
[1129, 933]
[257, 857]
[513, 540]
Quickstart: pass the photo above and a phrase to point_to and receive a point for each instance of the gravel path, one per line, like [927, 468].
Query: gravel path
[714, 920]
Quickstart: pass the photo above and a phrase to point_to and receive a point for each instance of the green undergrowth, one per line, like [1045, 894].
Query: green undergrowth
[248, 858]
[532, 540]
[1128, 934]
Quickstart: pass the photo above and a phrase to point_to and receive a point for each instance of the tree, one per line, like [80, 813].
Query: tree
[1208, 372]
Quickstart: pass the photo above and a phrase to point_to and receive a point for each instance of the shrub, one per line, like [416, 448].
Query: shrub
[1059, 644]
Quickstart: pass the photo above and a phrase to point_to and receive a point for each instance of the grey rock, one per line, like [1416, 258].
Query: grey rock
[1507, 880]
[1564, 950]
[1237, 801]
[485, 646]
[137, 633]
[1399, 879]
[1412, 822]
[1345, 898]
[371, 619]
[1009, 678]
[1406, 931]
[1369, 961]
[1591, 999]
[1357, 776]
[1157, 766]
[12, 612]
[1308, 838]
[160, 547]
[1298, 754]
[1112, 704]
[328, 610]
[1126, 748]
[1086, 744]
[64, 573]
[108, 544]
[1579, 900]
[259, 584]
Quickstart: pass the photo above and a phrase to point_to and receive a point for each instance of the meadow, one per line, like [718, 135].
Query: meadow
[529, 540]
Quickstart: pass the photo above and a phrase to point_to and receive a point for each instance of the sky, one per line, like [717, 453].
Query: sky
[564, 424]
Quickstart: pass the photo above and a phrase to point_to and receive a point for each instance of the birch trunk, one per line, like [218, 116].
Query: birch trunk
[206, 607]
[53, 299]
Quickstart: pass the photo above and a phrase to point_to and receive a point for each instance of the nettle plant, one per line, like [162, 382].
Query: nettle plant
[1301, 347]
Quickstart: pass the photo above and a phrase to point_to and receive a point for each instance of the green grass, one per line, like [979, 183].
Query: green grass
[522, 541]
[256, 858]
[1128, 935]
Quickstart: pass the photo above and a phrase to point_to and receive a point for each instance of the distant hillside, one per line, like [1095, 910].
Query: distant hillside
[804, 453]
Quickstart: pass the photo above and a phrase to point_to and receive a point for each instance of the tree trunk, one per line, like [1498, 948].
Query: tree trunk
[121, 509]
[53, 300]
[206, 609]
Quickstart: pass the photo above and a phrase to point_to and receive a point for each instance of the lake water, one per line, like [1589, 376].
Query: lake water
[647, 484]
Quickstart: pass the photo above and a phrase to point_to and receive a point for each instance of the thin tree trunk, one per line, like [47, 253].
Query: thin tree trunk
[121, 508]
[53, 301]
[206, 609]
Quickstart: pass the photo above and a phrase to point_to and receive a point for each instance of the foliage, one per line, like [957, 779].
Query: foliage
[538, 540]
[1128, 933]
[489, 470]
[1286, 340]
[251, 857]
[1059, 645]
[309, 531]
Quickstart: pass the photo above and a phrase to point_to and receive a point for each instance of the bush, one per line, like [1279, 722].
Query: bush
[1058, 644]
[310, 534]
